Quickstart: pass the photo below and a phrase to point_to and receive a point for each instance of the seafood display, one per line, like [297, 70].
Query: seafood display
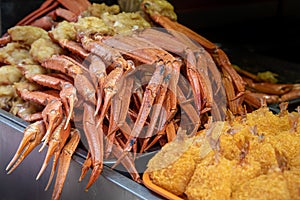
[254, 156]
[122, 83]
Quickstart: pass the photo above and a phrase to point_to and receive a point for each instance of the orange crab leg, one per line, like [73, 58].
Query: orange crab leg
[66, 14]
[56, 144]
[156, 111]
[43, 9]
[33, 135]
[127, 162]
[218, 55]
[52, 116]
[110, 89]
[64, 163]
[67, 91]
[42, 98]
[94, 137]
[233, 102]
[85, 88]
[73, 47]
[97, 71]
[5, 39]
[85, 166]
[76, 6]
[64, 64]
[269, 88]
[118, 113]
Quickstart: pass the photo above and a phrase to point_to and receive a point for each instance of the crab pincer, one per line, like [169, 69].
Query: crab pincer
[33, 135]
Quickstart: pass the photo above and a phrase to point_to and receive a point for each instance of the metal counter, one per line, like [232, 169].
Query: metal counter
[21, 184]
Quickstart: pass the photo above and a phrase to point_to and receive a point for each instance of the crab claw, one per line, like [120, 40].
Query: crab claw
[94, 137]
[56, 143]
[110, 89]
[85, 166]
[52, 116]
[64, 163]
[97, 169]
[32, 137]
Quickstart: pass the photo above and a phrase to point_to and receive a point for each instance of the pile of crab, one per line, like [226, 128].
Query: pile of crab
[77, 70]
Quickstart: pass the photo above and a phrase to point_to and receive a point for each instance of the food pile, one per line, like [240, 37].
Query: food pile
[91, 72]
[255, 156]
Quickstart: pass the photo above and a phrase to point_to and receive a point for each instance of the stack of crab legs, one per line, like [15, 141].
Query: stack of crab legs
[98, 85]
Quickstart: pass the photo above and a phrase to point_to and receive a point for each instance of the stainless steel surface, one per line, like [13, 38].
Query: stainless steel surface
[21, 184]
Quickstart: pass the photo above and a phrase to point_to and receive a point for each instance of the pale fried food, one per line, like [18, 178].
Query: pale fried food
[26, 34]
[44, 48]
[97, 10]
[210, 179]
[63, 30]
[269, 186]
[125, 22]
[257, 156]
[174, 169]
[9, 74]
[15, 53]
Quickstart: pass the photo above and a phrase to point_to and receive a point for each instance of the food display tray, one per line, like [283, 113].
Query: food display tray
[21, 183]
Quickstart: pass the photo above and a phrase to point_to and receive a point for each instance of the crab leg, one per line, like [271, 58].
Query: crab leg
[127, 162]
[149, 97]
[97, 71]
[293, 94]
[85, 88]
[67, 91]
[33, 135]
[43, 9]
[94, 137]
[110, 89]
[269, 88]
[64, 163]
[218, 55]
[119, 109]
[56, 144]
[231, 98]
[74, 47]
[64, 64]
[52, 116]
[156, 111]
[199, 82]
[5, 39]
[85, 166]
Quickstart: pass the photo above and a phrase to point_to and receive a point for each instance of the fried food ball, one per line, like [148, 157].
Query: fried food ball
[288, 147]
[268, 186]
[29, 70]
[211, 179]
[92, 26]
[264, 153]
[9, 74]
[97, 10]
[172, 168]
[15, 53]
[243, 170]
[43, 49]
[26, 34]
[125, 22]
[63, 30]
[161, 7]
[292, 178]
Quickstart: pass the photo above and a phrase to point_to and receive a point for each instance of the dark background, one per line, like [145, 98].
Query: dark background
[268, 28]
